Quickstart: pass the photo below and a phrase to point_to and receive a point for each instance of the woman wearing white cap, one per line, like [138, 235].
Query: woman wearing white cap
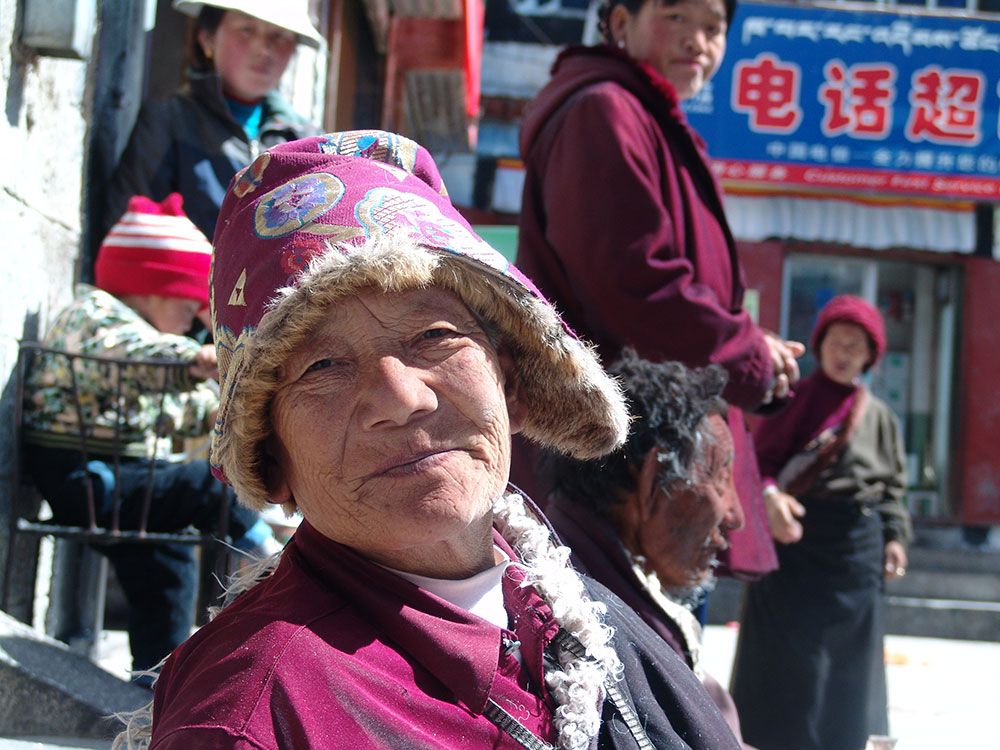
[195, 141]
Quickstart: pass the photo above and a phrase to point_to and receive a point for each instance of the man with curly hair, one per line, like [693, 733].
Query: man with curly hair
[649, 520]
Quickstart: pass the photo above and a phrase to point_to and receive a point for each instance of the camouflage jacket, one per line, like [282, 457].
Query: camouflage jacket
[97, 323]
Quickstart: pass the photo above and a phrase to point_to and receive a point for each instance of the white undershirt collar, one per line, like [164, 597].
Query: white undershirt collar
[482, 594]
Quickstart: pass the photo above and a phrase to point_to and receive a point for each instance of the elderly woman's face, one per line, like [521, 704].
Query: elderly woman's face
[392, 428]
[684, 41]
[844, 352]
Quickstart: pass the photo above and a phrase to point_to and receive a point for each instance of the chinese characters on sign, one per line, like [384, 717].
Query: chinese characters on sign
[872, 102]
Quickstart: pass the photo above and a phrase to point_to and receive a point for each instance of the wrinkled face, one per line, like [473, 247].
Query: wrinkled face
[685, 42]
[688, 529]
[171, 314]
[391, 426]
[844, 352]
[249, 55]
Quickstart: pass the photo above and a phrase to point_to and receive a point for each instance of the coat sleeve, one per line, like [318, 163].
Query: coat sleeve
[608, 221]
[896, 524]
[148, 163]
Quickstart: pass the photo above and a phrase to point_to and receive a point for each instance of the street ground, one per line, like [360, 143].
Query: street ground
[943, 694]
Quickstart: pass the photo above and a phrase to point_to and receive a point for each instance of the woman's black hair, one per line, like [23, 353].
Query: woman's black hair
[633, 6]
[669, 403]
[208, 20]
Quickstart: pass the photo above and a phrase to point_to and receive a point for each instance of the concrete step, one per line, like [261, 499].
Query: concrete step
[921, 583]
[944, 618]
[49, 691]
[945, 603]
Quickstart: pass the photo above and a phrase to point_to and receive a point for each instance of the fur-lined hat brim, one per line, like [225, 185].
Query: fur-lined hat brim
[574, 406]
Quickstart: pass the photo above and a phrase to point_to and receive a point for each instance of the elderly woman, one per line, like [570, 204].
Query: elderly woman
[623, 226]
[376, 357]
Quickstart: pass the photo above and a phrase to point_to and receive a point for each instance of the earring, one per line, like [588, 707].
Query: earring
[621, 44]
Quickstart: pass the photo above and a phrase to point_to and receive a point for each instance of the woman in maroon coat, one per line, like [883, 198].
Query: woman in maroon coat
[622, 222]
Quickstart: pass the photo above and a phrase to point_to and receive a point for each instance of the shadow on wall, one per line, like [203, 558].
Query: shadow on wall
[20, 59]
[22, 582]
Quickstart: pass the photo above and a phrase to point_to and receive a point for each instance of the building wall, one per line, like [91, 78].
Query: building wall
[979, 394]
[42, 136]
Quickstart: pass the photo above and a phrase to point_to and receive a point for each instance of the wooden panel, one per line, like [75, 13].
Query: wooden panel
[978, 396]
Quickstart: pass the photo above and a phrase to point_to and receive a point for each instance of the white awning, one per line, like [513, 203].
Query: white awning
[872, 225]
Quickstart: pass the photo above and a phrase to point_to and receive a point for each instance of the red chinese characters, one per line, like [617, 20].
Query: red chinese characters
[945, 106]
[768, 90]
[858, 100]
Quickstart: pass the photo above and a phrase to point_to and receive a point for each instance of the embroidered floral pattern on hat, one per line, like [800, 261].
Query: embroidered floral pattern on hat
[250, 177]
[384, 211]
[291, 206]
[376, 145]
[295, 260]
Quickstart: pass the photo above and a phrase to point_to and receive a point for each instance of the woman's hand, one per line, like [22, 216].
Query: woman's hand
[783, 512]
[895, 561]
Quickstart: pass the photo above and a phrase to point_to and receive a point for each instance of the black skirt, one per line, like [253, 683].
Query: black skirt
[810, 670]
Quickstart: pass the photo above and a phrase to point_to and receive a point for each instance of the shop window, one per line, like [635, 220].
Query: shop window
[918, 302]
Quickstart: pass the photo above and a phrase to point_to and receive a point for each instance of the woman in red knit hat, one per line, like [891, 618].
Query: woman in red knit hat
[152, 279]
[809, 672]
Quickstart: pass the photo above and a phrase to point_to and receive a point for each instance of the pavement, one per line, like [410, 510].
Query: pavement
[943, 694]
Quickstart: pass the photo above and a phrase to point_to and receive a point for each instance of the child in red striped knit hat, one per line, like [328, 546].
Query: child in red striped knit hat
[152, 281]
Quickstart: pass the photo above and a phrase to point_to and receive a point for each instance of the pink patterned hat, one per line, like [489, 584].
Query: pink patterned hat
[313, 221]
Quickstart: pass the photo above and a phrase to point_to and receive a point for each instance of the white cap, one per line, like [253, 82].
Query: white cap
[292, 15]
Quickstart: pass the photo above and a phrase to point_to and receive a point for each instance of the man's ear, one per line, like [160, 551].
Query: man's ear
[647, 485]
[517, 408]
[278, 490]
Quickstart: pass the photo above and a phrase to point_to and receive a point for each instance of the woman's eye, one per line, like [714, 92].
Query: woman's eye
[321, 364]
[432, 334]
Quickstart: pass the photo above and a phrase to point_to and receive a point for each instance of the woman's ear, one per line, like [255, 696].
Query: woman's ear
[279, 491]
[617, 21]
[207, 43]
[517, 409]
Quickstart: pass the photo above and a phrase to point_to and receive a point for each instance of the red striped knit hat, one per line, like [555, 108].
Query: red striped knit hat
[155, 249]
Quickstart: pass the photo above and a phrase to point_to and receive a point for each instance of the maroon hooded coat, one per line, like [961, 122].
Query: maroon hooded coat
[622, 227]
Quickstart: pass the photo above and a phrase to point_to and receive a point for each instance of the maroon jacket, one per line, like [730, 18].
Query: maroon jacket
[622, 226]
[333, 651]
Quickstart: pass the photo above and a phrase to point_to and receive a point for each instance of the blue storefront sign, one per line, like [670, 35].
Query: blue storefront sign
[868, 101]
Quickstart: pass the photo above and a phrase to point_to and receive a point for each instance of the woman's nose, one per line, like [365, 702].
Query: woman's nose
[695, 42]
[395, 393]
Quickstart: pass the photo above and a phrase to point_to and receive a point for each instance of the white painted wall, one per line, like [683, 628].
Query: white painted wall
[42, 135]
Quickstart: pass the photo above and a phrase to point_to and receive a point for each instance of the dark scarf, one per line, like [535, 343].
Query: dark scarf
[826, 414]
